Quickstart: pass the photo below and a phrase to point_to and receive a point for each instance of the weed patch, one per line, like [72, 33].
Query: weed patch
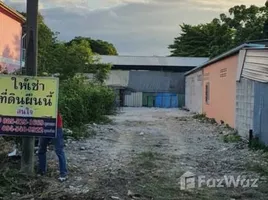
[260, 168]
[232, 138]
[200, 116]
[255, 144]
[204, 119]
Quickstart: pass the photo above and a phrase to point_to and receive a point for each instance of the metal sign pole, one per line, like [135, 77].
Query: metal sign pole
[27, 160]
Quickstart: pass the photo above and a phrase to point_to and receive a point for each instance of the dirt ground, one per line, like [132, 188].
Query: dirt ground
[143, 154]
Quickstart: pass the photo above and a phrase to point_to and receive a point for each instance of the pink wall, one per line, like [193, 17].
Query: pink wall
[10, 40]
[222, 79]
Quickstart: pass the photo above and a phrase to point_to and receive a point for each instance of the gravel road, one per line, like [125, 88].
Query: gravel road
[143, 153]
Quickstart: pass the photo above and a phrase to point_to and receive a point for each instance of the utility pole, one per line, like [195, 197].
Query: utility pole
[27, 159]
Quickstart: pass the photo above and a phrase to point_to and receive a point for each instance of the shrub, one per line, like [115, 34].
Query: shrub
[81, 102]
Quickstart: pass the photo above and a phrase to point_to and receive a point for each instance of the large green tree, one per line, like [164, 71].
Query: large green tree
[242, 24]
[75, 58]
[98, 46]
[72, 58]
[202, 40]
[248, 22]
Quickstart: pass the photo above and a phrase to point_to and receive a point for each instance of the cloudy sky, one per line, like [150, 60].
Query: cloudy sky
[135, 27]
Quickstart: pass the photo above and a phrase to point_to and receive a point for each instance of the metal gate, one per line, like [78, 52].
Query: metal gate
[260, 121]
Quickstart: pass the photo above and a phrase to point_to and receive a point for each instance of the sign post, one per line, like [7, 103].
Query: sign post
[28, 108]
[27, 159]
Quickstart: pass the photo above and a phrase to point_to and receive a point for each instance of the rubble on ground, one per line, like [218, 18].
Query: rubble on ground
[142, 156]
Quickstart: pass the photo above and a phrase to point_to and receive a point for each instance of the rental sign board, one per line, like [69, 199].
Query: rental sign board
[28, 106]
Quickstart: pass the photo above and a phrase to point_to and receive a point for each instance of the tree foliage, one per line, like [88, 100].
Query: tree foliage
[241, 25]
[46, 40]
[80, 101]
[98, 46]
[71, 58]
[202, 40]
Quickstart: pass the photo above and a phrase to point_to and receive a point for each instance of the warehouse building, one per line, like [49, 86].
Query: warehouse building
[150, 81]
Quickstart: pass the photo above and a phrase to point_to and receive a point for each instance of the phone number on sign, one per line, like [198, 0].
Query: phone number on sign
[22, 129]
[31, 122]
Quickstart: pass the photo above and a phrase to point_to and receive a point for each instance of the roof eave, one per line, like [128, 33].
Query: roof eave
[224, 55]
[20, 17]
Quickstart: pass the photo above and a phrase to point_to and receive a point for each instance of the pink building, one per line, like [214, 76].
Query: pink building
[211, 87]
[219, 89]
[10, 38]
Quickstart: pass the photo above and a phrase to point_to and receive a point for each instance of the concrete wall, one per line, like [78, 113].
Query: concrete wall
[221, 77]
[193, 92]
[157, 81]
[244, 106]
[10, 41]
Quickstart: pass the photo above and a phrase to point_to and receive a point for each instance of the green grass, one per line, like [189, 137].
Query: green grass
[205, 119]
[255, 144]
[259, 168]
[156, 177]
[232, 138]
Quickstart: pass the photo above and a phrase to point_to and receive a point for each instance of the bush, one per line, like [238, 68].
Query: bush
[81, 102]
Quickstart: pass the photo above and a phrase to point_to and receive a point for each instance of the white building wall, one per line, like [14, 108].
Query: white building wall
[193, 92]
[244, 106]
[134, 99]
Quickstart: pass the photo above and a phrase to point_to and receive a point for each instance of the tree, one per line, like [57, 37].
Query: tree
[46, 41]
[202, 40]
[243, 24]
[98, 46]
[69, 60]
[72, 58]
[102, 47]
[75, 58]
[248, 23]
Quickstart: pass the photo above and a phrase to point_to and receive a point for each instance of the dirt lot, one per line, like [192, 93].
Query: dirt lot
[143, 154]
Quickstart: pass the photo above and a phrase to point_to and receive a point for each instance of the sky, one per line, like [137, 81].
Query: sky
[135, 27]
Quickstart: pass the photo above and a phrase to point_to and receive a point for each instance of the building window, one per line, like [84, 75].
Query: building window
[23, 48]
[207, 93]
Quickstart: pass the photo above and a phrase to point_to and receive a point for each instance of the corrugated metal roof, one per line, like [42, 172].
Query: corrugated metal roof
[255, 65]
[153, 61]
[225, 55]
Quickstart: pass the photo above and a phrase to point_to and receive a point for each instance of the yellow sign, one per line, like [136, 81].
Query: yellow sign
[23, 96]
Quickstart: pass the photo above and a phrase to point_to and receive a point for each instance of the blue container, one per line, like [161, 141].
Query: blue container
[166, 100]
